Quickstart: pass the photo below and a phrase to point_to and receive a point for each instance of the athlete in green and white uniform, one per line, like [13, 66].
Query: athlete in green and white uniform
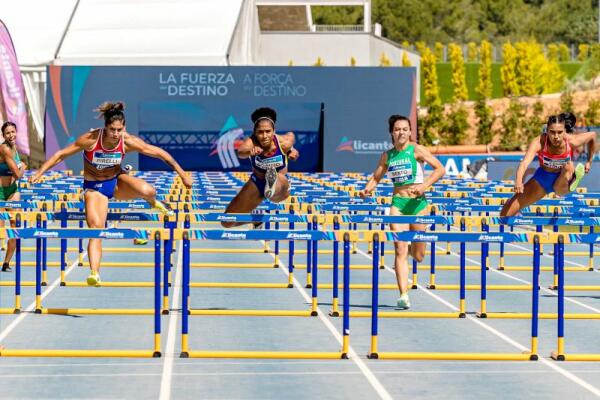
[404, 165]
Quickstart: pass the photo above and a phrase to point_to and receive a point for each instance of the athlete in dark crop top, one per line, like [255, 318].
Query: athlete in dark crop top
[556, 173]
[103, 151]
[269, 154]
[11, 170]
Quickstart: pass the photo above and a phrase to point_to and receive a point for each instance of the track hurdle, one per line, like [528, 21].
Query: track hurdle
[559, 354]
[374, 352]
[33, 233]
[261, 235]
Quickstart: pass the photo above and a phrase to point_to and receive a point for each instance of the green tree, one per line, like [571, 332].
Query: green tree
[484, 88]
[552, 53]
[508, 70]
[384, 60]
[456, 125]
[583, 52]
[459, 82]
[566, 102]
[532, 124]
[510, 127]
[432, 122]
[472, 52]
[485, 120]
[439, 52]
[564, 54]
[525, 71]
[592, 114]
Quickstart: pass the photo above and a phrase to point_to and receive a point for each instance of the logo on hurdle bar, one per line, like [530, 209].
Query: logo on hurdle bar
[112, 235]
[278, 219]
[491, 238]
[373, 219]
[523, 221]
[226, 218]
[45, 234]
[574, 222]
[421, 220]
[426, 238]
[127, 217]
[299, 236]
[229, 235]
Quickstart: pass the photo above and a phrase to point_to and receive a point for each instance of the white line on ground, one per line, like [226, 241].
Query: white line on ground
[371, 378]
[167, 373]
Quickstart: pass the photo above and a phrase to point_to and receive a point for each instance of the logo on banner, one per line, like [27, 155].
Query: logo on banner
[363, 147]
[230, 138]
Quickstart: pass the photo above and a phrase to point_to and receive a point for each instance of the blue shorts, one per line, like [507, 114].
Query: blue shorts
[106, 187]
[545, 179]
[260, 184]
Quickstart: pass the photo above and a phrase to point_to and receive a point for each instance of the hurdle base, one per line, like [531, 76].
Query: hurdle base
[414, 286]
[344, 356]
[156, 354]
[78, 353]
[557, 357]
[462, 315]
[265, 354]
[44, 284]
[275, 265]
[63, 284]
[308, 286]
[481, 315]
[184, 354]
[456, 356]
[553, 287]
[373, 356]
[334, 313]
[431, 287]
[164, 312]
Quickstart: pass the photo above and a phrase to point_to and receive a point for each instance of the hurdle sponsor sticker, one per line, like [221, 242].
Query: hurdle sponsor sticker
[299, 236]
[570, 221]
[111, 235]
[136, 205]
[523, 221]
[45, 234]
[426, 237]
[373, 219]
[463, 208]
[128, 217]
[213, 198]
[422, 220]
[75, 216]
[340, 208]
[490, 238]
[230, 218]
[278, 219]
[230, 235]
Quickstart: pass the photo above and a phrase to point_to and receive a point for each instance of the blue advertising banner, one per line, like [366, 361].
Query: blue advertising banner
[200, 114]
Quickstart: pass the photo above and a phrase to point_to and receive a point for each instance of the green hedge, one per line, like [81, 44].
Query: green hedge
[444, 73]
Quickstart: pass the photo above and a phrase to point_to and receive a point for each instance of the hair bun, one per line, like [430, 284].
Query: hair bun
[570, 121]
[264, 112]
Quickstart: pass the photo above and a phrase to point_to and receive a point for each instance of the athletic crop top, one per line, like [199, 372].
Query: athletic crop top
[555, 161]
[4, 170]
[403, 167]
[275, 159]
[99, 159]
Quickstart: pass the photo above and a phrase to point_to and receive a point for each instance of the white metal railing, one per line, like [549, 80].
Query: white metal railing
[337, 28]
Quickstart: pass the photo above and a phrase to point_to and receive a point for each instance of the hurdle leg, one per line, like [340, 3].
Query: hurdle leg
[559, 354]
[185, 307]
[157, 295]
[373, 352]
[334, 306]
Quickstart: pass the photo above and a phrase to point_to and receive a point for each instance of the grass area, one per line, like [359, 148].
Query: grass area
[444, 72]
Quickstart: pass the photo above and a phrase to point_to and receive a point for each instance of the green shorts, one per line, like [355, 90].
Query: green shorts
[409, 205]
[7, 191]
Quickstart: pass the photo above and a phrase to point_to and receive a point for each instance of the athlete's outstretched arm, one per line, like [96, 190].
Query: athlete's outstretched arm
[83, 142]
[134, 143]
[377, 175]
[287, 142]
[248, 148]
[532, 150]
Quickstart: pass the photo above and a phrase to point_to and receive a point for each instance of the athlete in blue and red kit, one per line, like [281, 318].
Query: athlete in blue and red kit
[556, 173]
[103, 153]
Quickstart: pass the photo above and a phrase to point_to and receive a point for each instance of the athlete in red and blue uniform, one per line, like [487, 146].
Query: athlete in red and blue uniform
[556, 172]
[103, 152]
[269, 154]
